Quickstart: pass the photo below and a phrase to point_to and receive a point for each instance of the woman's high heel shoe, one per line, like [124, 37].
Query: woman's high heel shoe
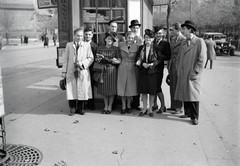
[143, 113]
[161, 110]
[123, 111]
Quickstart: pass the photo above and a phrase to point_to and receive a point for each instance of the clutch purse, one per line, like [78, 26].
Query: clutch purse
[98, 67]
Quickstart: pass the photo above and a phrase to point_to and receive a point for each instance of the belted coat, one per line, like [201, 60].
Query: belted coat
[78, 88]
[189, 69]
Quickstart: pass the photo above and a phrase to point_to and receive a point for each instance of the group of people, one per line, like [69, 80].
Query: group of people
[24, 39]
[45, 39]
[133, 66]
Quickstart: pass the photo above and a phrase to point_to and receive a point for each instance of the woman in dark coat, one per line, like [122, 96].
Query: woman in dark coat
[165, 51]
[148, 59]
[108, 55]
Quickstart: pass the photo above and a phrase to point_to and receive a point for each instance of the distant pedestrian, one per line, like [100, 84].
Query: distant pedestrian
[1, 42]
[46, 41]
[21, 39]
[54, 39]
[192, 55]
[26, 39]
[211, 54]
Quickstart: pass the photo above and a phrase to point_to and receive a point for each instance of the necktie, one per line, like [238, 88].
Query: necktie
[77, 46]
[188, 42]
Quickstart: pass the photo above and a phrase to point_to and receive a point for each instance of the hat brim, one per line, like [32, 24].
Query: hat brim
[135, 25]
[189, 26]
[62, 84]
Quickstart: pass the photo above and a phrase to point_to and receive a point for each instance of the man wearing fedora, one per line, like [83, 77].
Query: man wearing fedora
[135, 27]
[76, 61]
[192, 55]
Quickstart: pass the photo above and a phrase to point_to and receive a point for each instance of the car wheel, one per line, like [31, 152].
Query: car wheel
[232, 52]
[218, 52]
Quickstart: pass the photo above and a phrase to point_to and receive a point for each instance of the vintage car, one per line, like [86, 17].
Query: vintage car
[223, 46]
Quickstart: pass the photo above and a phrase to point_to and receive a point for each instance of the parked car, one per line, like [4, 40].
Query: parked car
[223, 46]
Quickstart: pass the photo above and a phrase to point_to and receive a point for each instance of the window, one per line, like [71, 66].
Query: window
[97, 14]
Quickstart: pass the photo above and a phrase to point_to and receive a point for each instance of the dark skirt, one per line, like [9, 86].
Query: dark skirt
[109, 85]
[148, 83]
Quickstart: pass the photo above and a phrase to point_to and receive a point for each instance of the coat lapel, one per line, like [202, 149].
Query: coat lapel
[124, 47]
[187, 48]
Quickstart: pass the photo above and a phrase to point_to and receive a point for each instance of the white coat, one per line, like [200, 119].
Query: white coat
[80, 88]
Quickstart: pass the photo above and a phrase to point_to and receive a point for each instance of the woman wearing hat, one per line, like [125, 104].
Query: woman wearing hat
[148, 59]
[165, 51]
[108, 55]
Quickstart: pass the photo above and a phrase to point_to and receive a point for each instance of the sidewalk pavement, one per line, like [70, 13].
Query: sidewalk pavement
[116, 140]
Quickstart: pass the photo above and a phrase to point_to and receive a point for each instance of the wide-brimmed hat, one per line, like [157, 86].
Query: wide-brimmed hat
[159, 27]
[62, 84]
[150, 33]
[190, 24]
[134, 23]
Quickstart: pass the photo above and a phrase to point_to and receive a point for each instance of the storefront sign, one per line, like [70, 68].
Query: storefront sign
[42, 4]
[63, 22]
[2, 111]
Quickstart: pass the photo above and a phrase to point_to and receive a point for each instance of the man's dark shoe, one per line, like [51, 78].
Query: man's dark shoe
[81, 112]
[155, 107]
[184, 116]
[195, 122]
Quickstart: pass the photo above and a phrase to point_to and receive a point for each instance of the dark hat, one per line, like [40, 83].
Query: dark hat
[150, 33]
[177, 26]
[159, 27]
[62, 84]
[113, 35]
[134, 23]
[88, 29]
[190, 24]
[168, 79]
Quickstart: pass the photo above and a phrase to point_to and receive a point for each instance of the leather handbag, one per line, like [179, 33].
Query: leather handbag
[98, 67]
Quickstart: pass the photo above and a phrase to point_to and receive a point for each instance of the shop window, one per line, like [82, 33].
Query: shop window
[97, 14]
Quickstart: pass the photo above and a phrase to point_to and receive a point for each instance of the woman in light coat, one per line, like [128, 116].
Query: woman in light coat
[77, 58]
[127, 76]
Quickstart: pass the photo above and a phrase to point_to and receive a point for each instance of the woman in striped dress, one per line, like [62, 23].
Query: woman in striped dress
[108, 55]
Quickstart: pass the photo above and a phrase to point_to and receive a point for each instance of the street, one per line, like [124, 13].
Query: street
[34, 102]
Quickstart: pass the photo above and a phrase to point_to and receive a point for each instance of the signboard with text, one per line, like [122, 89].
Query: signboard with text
[42, 4]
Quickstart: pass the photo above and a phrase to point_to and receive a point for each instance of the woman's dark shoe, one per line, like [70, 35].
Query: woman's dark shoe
[128, 110]
[161, 110]
[104, 112]
[143, 113]
[123, 111]
[82, 112]
[108, 112]
[155, 107]
[72, 112]
[151, 114]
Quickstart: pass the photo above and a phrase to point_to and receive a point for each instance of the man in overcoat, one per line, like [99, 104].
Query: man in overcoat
[211, 54]
[177, 39]
[77, 59]
[192, 55]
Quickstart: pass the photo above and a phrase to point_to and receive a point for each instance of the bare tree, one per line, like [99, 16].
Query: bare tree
[7, 23]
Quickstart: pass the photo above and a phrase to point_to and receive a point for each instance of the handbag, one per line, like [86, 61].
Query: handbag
[98, 67]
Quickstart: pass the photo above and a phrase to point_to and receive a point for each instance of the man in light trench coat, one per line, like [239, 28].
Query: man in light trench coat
[192, 55]
[77, 59]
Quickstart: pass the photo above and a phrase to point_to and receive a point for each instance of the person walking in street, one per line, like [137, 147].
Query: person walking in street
[127, 76]
[109, 56]
[135, 27]
[54, 39]
[88, 35]
[211, 54]
[21, 39]
[26, 39]
[46, 41]
[192, 55]
[77, 59]
[176, 40]
[165, 51]
[1, 42]
[148, 59]
[111, 29]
